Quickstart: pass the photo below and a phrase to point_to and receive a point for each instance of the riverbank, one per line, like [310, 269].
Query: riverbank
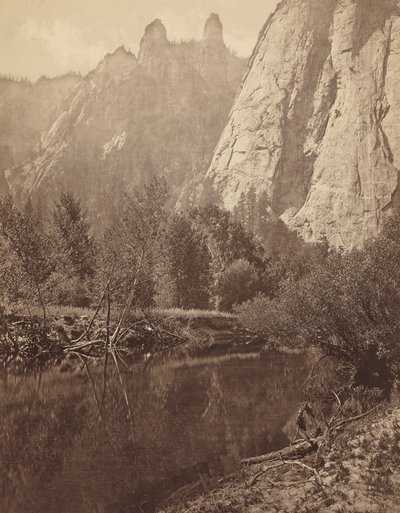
[189, 333]
[358, 471]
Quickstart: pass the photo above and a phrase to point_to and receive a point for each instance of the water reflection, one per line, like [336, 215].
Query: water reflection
[189, 421]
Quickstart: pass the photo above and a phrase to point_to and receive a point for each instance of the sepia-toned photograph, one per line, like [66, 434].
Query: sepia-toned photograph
[199, 256]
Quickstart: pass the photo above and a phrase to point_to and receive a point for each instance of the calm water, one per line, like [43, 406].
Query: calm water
[69, 446]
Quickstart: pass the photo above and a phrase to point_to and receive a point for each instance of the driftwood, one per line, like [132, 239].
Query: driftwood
[288, 453]
[291, 455]
[354, 419]
[310, 445]
[284, 462]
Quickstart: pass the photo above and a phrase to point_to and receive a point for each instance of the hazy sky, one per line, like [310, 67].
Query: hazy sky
[54, 36]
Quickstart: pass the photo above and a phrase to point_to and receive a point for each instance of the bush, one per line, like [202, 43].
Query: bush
[348, 306]
[67, 290]
[186, 267]
[239, 282]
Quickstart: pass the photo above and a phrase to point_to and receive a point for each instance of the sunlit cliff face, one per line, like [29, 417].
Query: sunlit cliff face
[314, 127]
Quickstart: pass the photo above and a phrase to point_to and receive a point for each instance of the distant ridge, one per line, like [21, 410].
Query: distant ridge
[131, 118]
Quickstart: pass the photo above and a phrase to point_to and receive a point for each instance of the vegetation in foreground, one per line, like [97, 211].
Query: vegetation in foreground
[356, 471]
[85, 336]
[348, 306]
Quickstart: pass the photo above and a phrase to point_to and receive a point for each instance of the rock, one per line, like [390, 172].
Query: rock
[153, 44]
[314, 125]
[213, 30]
[213, 54]
[132, 118]
[26, 109]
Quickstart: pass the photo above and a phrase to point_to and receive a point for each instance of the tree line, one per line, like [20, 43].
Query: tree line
[347, 303]
[201, 259]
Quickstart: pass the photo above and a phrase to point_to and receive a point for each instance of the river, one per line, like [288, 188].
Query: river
[73, 441]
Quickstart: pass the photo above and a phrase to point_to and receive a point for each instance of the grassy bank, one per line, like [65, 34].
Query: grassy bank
[76, 312]
[171, 333]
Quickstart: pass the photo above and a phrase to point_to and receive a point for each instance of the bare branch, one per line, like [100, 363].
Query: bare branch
[128, 406]
[290, 452]
[87, 331]
[353, 419]
[292, 463]
[313, 369]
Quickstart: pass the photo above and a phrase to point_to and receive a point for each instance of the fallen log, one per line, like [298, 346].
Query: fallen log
[304, 448]
[287, 453]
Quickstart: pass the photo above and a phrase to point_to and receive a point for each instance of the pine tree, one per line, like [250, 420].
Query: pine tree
[188, 263]
[242, 210]
[262, 214]
[251, 209]
[73, 239]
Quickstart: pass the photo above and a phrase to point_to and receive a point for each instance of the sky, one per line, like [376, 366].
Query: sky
[53, 37]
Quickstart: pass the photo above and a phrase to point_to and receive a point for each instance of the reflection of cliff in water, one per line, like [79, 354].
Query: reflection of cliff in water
[189, 421]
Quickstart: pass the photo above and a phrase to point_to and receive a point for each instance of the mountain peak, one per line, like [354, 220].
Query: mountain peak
[155, 37]
[120, 54]
[156, 31]
[121, 50]
[213, 30]
[117, 63]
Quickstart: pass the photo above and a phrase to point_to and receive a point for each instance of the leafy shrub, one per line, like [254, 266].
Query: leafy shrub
[67, 290]
[238, 283]
[349, 307]
[261, 316]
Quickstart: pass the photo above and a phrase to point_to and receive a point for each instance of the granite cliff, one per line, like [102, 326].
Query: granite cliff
[313, 135]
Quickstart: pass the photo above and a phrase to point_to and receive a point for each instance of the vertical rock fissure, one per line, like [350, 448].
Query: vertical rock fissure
[384, 109]
[292, 178]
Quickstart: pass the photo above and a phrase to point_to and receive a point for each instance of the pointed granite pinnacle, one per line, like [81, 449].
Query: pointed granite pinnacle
[155, 32]
[213, 30]
[155, 37]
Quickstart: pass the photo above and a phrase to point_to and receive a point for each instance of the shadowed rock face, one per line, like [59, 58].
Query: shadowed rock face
[26, 110]
[314, 126]
[131, 118]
